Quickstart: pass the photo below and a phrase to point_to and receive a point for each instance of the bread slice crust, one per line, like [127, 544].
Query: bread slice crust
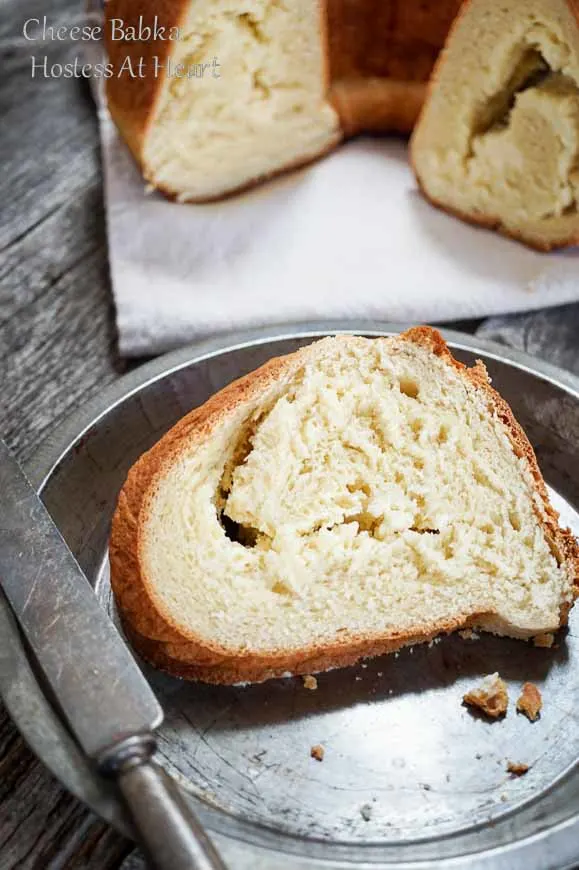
[131, 107]
[531, 237]
[152, 629]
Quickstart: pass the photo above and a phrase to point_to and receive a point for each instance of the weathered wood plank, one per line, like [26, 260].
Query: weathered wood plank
[56, 348]
[42, 826]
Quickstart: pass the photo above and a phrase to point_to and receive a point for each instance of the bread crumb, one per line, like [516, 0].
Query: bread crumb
[545, 641]
[317, 752]
[530, 702]
[366, 812]
[504, 798]
[516, 768]
[490, 698]
[468, 634]
[310, 682]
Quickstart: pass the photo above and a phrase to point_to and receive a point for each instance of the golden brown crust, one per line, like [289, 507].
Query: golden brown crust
[381, 55]
[394, 39]
[486, 221]
[544, 246]
[186, 659]
[242, 188]
[376, 105]
[132, 101]
[154, 632]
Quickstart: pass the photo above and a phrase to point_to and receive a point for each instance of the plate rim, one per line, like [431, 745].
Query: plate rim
[44, 460]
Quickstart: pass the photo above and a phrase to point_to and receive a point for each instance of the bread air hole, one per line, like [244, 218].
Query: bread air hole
[247, 536]
[239, 534]
[421, 531]
[409, 387]
[531, 71]
[510, 157]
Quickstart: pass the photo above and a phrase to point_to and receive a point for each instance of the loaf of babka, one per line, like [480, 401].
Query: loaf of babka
[224, 93]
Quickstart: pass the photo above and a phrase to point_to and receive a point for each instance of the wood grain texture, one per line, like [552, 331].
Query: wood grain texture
[57, 348]
[53, 269]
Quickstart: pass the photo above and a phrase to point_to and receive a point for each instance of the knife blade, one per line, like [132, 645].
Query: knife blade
[98, 684]
[99, 687]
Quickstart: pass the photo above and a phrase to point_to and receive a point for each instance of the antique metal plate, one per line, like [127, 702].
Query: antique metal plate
[410, 778]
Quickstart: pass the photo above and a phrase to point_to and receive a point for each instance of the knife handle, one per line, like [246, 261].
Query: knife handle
[165, 825]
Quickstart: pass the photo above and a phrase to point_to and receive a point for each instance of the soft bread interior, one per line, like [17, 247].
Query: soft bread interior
[499, 137]
[368, 492]
[262, 109]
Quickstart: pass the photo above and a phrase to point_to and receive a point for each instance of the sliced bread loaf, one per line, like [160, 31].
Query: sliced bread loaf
[343, 501]
[498, 139]
[216, 95]
[238, 95]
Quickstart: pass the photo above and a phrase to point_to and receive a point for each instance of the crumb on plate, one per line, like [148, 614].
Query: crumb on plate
[317, 752]
[545, 641]
[310, 682]
[517, 768]
[490, 697]
[530, 702]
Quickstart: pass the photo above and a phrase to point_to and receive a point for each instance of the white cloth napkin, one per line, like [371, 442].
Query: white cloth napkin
[348, 237]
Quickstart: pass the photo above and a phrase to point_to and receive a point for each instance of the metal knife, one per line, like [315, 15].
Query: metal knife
[102, 694]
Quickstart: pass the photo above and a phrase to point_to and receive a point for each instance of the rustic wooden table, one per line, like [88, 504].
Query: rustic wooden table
[57, 348]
